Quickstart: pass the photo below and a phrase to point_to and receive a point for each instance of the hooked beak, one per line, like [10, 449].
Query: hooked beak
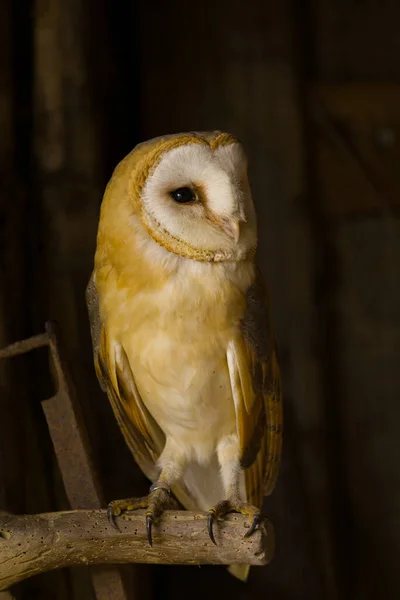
[232, 228]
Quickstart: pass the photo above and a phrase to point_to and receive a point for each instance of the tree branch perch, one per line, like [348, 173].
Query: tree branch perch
[32, 544]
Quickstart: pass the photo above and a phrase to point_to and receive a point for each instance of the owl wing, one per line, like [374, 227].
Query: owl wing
[256, 388]
[142, 434]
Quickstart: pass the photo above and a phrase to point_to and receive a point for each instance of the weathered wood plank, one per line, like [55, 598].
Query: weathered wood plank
[357, 148]
[356, 40]
[31, 544]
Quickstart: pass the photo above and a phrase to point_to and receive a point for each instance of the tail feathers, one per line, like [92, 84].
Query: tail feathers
[239, 571]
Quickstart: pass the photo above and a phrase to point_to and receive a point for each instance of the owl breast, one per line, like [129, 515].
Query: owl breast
[187, 392]
[176, 344]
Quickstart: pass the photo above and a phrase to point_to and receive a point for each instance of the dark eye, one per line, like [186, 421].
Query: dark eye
[183, 195]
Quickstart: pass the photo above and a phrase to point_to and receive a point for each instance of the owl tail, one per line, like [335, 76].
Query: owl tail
[240, 571]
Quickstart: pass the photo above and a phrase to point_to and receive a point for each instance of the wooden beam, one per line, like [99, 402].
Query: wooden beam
[32, 544]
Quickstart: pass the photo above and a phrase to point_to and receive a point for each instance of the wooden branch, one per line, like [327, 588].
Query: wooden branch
[32, 544]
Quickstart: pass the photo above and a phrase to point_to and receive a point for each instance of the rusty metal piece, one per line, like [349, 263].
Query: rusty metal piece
[68, 432]
[32, 343]
[72, 447]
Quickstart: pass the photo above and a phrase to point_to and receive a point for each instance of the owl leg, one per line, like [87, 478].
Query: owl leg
[172, 463]
[228, 452]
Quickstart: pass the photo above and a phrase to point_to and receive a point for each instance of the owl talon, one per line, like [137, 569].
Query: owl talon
[111, 518]
[156, 502]
[253, 526]
[226, 506]
[210, 523]
[117, 507]
[149, 525]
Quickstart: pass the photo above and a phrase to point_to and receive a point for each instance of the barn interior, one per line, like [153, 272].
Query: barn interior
[312, 89]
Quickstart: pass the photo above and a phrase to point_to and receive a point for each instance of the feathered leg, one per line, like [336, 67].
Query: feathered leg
[172, 463]
[228, 451]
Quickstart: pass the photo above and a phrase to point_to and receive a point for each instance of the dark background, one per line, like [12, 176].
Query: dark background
[313, 90]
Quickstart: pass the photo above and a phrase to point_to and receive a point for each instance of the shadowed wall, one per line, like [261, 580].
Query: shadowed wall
[312, 89]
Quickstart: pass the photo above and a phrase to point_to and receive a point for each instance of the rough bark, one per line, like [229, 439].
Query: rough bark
[32, 544]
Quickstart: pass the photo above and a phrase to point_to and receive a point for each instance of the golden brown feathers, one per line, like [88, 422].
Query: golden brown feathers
[180, 324]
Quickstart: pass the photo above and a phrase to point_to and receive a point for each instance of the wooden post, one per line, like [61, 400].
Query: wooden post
[31, 544]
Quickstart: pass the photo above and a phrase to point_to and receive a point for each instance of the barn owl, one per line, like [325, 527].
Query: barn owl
[180, 327]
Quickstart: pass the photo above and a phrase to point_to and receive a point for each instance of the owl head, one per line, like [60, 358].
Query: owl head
[189, 193]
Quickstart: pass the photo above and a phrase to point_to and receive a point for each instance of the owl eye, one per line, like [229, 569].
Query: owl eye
[183, 195]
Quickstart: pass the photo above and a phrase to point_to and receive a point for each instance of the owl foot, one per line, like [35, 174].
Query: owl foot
[226, 506]
[156, 502]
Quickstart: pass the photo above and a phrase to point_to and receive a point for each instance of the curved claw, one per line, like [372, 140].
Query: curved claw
[111, 518]
[256, 521]
[149, 525]
[210, 523]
